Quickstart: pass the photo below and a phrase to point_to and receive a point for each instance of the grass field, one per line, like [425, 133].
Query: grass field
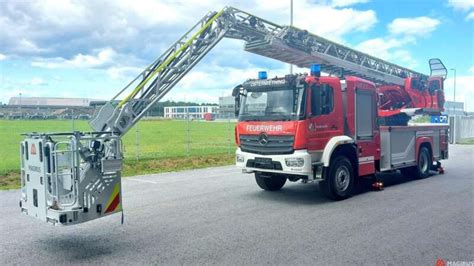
[163, 145]
[469, 141]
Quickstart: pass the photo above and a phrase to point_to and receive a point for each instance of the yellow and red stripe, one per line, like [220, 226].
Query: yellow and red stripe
[114, 200]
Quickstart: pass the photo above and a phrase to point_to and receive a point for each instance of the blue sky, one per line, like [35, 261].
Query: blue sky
[93, 48]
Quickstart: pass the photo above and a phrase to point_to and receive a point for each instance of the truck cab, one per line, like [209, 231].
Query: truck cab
[319, 128]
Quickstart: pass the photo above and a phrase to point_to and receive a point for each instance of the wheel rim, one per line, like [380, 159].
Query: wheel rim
[424, 162]
[342, 178]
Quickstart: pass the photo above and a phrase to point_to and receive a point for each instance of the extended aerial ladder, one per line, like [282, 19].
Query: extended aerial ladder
[69, 178]
[283, 43]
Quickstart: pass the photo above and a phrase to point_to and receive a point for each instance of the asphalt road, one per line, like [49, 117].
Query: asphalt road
[220, 216]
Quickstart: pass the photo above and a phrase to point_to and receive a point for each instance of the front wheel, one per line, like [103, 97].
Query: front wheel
[338, 183]
[270, 182]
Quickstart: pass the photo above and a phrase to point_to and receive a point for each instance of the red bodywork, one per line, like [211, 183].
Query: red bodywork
[428, 96]
[314, 132]
[209, 117]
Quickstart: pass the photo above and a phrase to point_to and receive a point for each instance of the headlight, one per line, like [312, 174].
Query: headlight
[294, 162]
[240, 158]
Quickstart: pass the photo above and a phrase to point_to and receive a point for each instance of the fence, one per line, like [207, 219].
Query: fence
[154, 139]
[462, 128]
[149, 139]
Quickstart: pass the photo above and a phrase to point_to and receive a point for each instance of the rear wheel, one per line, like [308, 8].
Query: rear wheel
[422, 169]
[269, 181]
[338, 183]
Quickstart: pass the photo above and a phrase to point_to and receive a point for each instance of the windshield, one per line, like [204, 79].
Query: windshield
[272, 105]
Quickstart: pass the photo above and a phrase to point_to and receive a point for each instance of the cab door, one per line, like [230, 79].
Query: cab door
[324, 113]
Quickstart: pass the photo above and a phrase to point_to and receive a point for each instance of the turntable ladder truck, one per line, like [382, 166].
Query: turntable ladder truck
[73, 177]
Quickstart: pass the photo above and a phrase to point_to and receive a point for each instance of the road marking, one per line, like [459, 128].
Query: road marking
[168, 180]
[141, 180]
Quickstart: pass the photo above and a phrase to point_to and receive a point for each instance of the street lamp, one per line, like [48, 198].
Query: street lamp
[454, 105]
[21, 113]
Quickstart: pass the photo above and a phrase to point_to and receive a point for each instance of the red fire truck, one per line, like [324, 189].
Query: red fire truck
[333, 130]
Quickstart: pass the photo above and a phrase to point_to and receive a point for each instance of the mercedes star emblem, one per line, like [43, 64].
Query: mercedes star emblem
[263, 138]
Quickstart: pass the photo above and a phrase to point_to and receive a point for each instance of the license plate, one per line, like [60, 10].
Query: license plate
[264, 161]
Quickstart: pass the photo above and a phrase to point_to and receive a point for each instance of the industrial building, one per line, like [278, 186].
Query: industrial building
[48, 108]
[49, 102]
[194, 112]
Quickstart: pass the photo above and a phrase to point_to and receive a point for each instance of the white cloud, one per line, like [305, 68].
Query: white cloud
[470, 16]
[461, 4]
[321, 19]
[68, 34]
[465, 6]
[464, 90]
[124, 72]
[2, 57]
[36, 81]
[62, 28]
[344, 3]
[402, 33]
[378, 46]
[103, 57]
[390, 49]
[202, 85]
[419, 26]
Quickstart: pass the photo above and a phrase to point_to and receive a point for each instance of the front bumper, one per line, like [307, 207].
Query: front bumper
[249, 162]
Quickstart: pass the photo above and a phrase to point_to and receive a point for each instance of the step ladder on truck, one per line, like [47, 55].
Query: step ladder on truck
[73, 177]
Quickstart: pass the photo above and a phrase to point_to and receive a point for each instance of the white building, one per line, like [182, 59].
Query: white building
[49, 101]
[196, 112]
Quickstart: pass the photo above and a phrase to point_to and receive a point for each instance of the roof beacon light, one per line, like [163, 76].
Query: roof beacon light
[262, 75]
[316, 70]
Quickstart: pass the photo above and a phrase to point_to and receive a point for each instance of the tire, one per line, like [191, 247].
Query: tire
[270, 182]
[422, 169]
[338, 183]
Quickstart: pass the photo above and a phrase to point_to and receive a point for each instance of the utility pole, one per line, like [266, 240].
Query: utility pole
[291, 24]
[21, 112]
[72, 117]
[454, 105]
[188, 138]
[137, 142]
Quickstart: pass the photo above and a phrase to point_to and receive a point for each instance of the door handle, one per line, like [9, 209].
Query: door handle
[333, 127]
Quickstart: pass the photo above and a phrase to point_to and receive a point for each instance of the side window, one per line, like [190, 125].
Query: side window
[322, 99]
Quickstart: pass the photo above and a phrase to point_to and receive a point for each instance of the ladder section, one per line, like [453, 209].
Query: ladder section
[287, 44]
[301, 48]
[163, 74]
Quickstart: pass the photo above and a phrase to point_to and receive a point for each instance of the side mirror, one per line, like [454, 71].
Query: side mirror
[236, 92]
[237, 106]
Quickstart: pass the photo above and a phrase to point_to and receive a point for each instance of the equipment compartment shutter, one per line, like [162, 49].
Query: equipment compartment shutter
[364, 114]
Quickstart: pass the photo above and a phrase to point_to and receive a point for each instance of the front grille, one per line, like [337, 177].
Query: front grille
[275, 145]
